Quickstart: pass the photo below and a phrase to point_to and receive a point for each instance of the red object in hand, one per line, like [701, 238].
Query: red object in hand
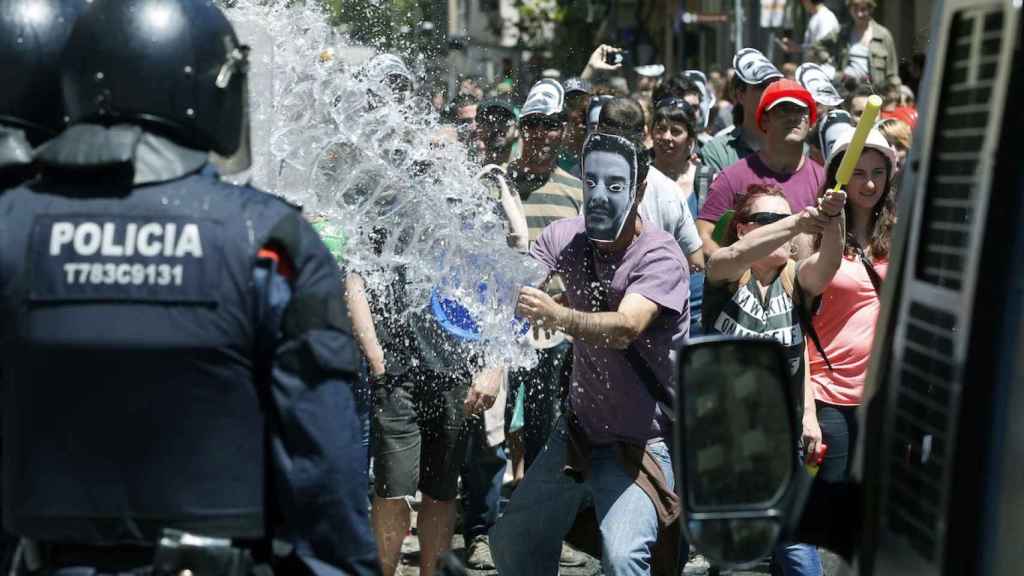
[816, 459]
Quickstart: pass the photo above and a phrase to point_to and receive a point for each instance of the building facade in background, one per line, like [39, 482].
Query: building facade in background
[496, 39]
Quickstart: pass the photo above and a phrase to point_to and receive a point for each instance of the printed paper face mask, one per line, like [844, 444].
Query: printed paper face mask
[546, 97]
[609, 185]
[594, 112]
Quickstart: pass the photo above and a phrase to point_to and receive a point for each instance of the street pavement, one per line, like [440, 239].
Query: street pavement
[592, 567]
[832, 564]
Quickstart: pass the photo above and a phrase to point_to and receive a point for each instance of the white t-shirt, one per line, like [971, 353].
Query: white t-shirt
[860, 62]
[663, 207]
[822, 23]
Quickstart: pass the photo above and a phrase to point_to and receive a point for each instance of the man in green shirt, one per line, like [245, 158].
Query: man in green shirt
[754, 72]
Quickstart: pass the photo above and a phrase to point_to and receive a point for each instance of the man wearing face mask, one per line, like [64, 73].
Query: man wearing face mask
[661, 205]
[625, 304]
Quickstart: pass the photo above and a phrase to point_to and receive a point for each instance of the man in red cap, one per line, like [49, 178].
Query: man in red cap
[784, 115]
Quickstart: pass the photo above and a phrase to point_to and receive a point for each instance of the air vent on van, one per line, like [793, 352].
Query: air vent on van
[928, 376]
[963, 118]
[919, 444]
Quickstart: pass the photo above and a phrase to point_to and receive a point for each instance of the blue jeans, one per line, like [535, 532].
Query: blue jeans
[527, 539]
[696, 279]
[798, 559]
[482, 476]
[696, 304]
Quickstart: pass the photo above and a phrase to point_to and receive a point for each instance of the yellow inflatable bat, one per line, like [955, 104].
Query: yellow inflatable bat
[852, 156]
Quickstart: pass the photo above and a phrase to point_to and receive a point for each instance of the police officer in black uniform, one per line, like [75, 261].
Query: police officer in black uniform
[32, 37]
[178, 365]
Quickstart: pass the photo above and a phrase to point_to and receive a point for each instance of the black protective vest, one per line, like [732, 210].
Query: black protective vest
[131, 322]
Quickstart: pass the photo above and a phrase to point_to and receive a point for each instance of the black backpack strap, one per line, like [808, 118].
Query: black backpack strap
[876, 280]
[647, 376]
[804, 312]
[702, 185]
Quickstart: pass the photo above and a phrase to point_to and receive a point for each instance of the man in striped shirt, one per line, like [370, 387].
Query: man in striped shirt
[548, 193]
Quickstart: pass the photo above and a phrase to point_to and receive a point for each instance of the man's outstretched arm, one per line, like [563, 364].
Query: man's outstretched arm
[616, 329]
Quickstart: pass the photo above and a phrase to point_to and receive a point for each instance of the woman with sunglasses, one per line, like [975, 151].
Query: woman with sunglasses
[749, 291]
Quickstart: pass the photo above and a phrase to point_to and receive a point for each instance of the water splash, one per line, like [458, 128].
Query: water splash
[339, 143]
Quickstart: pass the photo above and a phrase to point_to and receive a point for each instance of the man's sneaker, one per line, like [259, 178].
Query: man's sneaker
[570, 557]
[478, 554]
[697, 565]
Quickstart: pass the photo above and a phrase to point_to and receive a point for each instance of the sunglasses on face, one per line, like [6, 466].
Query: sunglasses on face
[790, 110]
[548, 124]
[763, 218]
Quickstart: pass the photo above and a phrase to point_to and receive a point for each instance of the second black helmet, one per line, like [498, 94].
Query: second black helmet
[173, 66]
[32, 37]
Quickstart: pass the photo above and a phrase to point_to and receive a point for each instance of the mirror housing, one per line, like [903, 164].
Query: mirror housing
[740, 476]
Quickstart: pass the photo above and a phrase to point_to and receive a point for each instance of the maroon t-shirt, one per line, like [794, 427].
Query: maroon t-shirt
[800, 187]
[607, 396]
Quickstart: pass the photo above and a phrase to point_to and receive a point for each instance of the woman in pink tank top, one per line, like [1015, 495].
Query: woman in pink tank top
[844, 318]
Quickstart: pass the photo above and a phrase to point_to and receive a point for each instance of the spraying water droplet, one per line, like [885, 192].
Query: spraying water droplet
[345, 145]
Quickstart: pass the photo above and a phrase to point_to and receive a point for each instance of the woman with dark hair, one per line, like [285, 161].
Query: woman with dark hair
[674, 131]
[750, 289]
[844, 317]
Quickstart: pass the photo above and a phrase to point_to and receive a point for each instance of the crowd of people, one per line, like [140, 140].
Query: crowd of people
[701, 202]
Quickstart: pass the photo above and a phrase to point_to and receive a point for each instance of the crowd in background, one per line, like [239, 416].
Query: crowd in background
[662, 205]
[739, 170]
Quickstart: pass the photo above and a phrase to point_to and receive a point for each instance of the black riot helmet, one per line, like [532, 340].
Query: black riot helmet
[174, 67]
[32, 37]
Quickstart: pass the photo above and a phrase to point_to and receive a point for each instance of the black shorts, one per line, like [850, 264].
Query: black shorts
[419, 434]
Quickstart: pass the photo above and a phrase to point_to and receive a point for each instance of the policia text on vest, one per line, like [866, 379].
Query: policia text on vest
[122, 257]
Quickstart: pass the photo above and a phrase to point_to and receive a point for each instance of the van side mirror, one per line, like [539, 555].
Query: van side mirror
[742, 483]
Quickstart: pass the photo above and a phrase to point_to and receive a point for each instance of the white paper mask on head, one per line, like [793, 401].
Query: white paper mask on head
[610, 184]
[814, 78]
[546, 97]
[707, 97]
[594, 112]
